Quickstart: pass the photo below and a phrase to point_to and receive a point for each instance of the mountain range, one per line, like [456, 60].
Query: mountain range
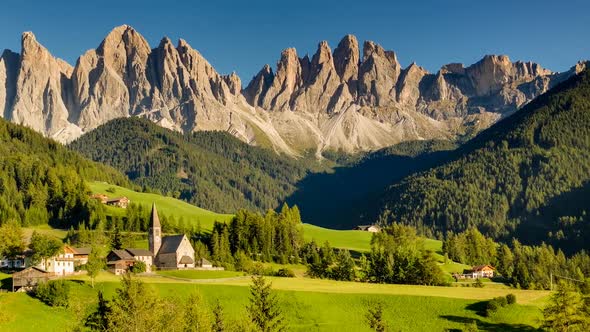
[347, 100]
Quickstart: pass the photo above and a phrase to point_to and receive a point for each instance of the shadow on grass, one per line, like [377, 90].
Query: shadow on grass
[493, 327]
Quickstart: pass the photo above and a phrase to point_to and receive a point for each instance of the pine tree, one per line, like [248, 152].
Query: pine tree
[375, 317]
[218, 320]
[264, 310]
[99, 319]
[565, 311]
[117, 239]
[196, 315]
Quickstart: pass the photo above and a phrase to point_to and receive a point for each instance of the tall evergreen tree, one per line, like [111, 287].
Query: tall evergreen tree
[264, 310]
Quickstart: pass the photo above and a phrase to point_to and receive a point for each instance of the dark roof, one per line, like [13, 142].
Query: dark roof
[82, 251]
[118, 199]
[139, 252]
[170, 244]
[121, 254]
[186, 260]
[154, 219]
[29, 270]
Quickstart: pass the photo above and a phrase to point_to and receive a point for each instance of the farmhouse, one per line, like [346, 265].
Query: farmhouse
[142, 255]
[121, 202]
[60, 264]
[119, 261]
[81, 255]
[26, 279]
[368, 228]
[170, 252]
[483, 271]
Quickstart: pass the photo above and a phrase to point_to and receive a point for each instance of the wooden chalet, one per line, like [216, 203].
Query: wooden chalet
[121, 202]
[119, 261]
[28, 278]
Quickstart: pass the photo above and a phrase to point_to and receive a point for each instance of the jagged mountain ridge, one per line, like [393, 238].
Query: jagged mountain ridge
[333, 101]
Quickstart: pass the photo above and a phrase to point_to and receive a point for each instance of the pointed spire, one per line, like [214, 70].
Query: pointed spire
[154, 220]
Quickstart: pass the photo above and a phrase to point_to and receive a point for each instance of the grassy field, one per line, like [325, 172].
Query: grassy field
[308, 304]
[198, 274]
[166, 205]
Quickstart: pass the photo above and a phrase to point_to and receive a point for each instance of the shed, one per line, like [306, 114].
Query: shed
[29, 278]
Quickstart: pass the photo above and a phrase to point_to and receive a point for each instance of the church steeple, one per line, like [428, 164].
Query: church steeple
[155, 232]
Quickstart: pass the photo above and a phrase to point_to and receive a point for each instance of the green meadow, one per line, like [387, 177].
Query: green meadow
[307, 304]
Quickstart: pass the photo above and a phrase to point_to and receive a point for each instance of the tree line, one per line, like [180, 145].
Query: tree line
[525, 177]
[528, 267]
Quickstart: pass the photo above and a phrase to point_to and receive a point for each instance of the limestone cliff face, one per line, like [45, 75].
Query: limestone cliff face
[351, 99]
[355, 103]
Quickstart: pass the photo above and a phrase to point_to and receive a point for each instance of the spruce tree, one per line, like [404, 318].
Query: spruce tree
[264, 310]
[565, 311]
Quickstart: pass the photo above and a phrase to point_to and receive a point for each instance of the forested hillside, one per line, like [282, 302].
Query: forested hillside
[526, 177]
[41, 181]
[210, 169]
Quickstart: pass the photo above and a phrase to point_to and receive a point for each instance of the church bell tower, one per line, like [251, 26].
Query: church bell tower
[155, 232]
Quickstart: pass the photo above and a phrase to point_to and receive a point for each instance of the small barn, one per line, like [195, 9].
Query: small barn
[121, 202]
[119, 261]
[28, 278]
[368, 228]
[205, 264]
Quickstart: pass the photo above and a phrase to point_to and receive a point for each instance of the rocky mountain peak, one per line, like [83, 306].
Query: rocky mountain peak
[343, 100]
[346, 58]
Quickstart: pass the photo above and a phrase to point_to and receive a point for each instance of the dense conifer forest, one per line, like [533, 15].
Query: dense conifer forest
[513, 180]
[210, 169]
[41, 181]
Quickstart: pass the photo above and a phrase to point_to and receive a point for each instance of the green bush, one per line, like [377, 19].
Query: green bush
[55, 293]
[138, 267]
[285, 273]
[478, 283]
[511, 298]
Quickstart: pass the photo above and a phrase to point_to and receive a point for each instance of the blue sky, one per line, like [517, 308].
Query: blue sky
[242, 36]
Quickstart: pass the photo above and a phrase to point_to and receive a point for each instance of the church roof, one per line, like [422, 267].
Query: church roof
[170, 244]
[154, 219]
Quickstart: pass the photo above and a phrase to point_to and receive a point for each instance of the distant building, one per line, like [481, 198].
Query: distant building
[100, 197]
[479, 271]
[28, 278]
[60, 264]
[368, 228]
[119, 261]
[15, 263]
[170, 252]
[81, 256]
[142, 255]
[121, 202]
[483, 271]
[205, 264]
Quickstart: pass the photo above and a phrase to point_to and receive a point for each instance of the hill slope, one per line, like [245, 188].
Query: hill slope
[505, 179]
[41, 181]
[210, 169]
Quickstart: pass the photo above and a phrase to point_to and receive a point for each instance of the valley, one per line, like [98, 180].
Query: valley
[344, 188]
